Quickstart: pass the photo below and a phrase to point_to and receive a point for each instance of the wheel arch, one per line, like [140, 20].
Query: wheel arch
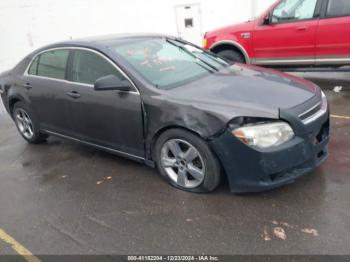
[229, 44]
[156, 135]
[162, 130]
[12, 101]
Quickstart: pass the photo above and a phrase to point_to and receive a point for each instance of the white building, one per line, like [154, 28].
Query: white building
[28, 24]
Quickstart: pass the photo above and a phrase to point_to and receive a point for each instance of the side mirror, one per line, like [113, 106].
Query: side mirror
[112, 82]
[266, 19]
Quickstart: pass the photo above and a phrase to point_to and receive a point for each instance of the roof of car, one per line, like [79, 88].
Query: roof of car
[102, 39]
[99, 42]
[119, 36]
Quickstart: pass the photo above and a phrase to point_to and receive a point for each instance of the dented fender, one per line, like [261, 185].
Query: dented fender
[205, 120]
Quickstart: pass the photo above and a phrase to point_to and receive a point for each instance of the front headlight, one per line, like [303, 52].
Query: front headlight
[264, 135]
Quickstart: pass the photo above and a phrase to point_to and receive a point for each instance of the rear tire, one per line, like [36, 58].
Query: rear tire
[187, 162]
[27, 124]
[231, 56]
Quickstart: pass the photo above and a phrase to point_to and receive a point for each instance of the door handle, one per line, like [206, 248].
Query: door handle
[27, 86]
[73, 94]
[302, 28]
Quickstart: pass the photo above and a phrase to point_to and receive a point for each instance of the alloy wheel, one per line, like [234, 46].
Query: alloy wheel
[183, 163]
[24, 124]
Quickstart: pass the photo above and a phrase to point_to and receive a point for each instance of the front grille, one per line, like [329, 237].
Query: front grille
[310, 112]
[315, 111]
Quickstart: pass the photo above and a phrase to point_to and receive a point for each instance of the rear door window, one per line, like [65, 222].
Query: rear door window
[33, 69]
[337, 8]
[51, 64]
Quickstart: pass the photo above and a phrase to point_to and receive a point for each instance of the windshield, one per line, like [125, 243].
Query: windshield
[167, 63]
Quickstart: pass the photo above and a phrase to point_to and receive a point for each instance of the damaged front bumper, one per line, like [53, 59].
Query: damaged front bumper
[251, 170]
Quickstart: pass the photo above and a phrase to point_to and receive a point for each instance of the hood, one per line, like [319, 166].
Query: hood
[245, 90]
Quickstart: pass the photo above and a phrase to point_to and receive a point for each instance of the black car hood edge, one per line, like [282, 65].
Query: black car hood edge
[245, 88]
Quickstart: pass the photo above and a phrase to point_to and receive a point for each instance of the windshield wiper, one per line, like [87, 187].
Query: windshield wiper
[207, 54]
[215, 58]
[192, 54]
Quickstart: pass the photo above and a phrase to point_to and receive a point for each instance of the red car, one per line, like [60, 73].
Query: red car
[289, 33]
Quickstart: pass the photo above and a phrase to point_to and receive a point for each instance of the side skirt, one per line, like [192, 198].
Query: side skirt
[106, 149]
[321, 60]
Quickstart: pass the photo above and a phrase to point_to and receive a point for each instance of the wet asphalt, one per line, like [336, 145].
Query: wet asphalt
[65, 198]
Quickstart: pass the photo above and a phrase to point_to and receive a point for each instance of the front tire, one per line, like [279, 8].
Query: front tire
[27, 124]
[187, 162]
[231, 56]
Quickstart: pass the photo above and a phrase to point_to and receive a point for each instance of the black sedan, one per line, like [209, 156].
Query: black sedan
[167, 103]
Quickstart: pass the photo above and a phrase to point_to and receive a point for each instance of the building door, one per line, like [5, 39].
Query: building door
[189, 23]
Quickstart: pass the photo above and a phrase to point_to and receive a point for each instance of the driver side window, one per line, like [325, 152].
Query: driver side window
[294, 10]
